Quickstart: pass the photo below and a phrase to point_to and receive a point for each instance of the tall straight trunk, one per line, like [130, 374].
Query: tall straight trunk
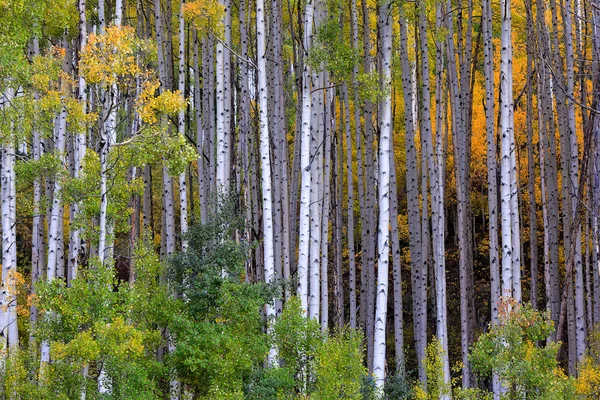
[200, 126]
[506, 129]
[55, 215]
[79, 148]
[280, 139]
[550, 176]
[595, 170]
[350, 223]
[326, 207]
[383, 242]
[580, 320]
[168, 214]
[54, 234]
[222, 137]
[183, 201]
[360, 174]
[397, 271]
[533, 245]
[492, 165]
[305, 163]
[8, 299]
[338, 170]
[419, 298]
[492, 171]
[461, 141]
[317, 138]
[369, 221]
[37, 233]
[265, 163]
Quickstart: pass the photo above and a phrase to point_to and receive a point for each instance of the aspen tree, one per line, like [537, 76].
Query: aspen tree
[383, 236]
[419, 297]
[8, 296]
[350, 208]
[183, 206]
[492, 170]
[265, 158]
[305, 163]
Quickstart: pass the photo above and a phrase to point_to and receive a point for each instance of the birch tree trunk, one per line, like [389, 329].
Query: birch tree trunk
[350, 224]
[79, 149]
[38, 247]
[506, 128]
[305, 164]
[492, 171]
[397, 270]
[8, 296]
[419, 298]
[183, 207]
[265, 158]
[383, 247]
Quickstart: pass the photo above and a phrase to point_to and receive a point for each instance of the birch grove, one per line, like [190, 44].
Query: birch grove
[316, 199]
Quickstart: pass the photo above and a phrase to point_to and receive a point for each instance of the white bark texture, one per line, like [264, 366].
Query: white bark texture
[265, 162]
[383, 242]
[305, 165]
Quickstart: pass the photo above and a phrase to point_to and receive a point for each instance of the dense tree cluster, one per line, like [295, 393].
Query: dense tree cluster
[319, 198]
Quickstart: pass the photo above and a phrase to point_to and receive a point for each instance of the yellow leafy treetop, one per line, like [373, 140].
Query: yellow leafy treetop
[205, 15]
[111, 55]
[150, 106]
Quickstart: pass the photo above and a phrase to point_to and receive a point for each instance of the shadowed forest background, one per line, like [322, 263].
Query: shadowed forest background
[283, 199]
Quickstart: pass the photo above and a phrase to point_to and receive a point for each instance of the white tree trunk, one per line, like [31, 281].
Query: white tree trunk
[79, 149]
[265, 163]
[350, 207]
[419, 298]
[183, 207]
[383, 243]
[305, 164]
[506, 126]
[8, 296]
[222, 183]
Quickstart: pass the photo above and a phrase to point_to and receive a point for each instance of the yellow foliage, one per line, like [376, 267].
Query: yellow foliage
[205, 15]
[108, 56]
[150, 106]
[587, 383]
[83, 348]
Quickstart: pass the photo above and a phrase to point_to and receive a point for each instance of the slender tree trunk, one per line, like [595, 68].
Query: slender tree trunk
[383, 238]
[183, 201]
[419, 298]
[492, 171]
[265, 158]
[8, 296]
[305, 164]
[350, 207]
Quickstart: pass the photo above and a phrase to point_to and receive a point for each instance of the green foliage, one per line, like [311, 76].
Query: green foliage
[49, 166]
[510, 350]
[339, 367]
[298, 339]
[434, 368]
[102, 324]
[272, 383]
[219, 332]
[19, 21]
[85, 191]
[328, 51]
[398, 387]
